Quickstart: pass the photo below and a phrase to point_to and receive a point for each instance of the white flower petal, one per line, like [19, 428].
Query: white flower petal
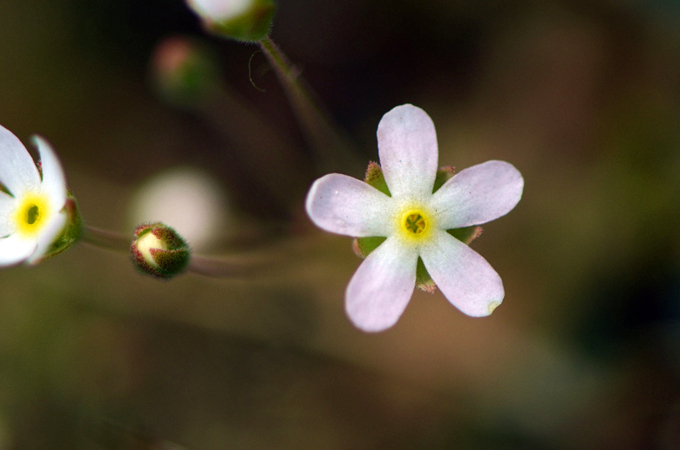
[407, 145]
[382, 286]
[7, 206]
[345, 205]
[466, 279]
[17, 169]
[219, 10]
[14, 250]
[53, 178]
[48, 235]
[478, 195]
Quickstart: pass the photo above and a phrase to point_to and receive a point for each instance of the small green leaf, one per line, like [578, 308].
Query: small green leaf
[423, 279]
[73, 231]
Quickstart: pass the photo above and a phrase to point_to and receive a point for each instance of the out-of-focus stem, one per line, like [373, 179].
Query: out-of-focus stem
[268, 157]
[109, 240]
[227, 266]
[212, 266]
[332, 151]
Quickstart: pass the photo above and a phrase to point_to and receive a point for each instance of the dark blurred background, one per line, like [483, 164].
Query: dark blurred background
[583, 97]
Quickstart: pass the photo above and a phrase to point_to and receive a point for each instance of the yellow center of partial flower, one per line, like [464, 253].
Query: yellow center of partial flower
[415, 224]
[31, 215]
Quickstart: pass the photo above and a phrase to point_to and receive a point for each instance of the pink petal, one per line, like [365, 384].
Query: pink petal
[478, 195]
[407, 144]
[345, 205]
[466, 279]
[382, 286]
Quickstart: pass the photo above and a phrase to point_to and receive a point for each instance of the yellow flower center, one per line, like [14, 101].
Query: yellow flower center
[415, 224]
[31, 215]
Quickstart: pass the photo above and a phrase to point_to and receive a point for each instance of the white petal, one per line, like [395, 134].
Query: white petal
[219, 10]
[478, 195]
[53, 178]
[407, 145]
[7, 206]
[14, 250]
[345, 205]
[17, 169]
[466, 279]
[382, 286]
[53, 230]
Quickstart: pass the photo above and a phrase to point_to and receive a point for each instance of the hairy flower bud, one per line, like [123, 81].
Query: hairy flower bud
[159, 251]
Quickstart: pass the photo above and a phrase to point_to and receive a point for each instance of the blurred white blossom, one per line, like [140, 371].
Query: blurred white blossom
[188, 200]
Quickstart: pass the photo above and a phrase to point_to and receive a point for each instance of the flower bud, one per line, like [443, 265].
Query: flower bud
[243, 20]
[184, 72]
[158, 250]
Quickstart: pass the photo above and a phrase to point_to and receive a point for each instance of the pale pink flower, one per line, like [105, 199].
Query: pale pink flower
[414, 220]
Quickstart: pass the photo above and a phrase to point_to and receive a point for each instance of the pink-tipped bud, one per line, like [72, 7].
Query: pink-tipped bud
[184, 72]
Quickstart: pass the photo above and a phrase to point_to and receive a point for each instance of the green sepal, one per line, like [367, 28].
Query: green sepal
[251, 26]
[375, 178]
[365, 245]
[443, 175]
[73, 231]
[423, 279]
[466, 234]
[170, 262]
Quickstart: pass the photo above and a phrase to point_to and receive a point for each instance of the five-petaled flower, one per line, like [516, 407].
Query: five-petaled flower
[415, 220]
[32, 202]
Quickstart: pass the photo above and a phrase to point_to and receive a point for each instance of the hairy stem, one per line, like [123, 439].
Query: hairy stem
[332, 150]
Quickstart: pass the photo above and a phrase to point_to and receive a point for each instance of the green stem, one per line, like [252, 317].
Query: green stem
[109, 240]
[332, 150]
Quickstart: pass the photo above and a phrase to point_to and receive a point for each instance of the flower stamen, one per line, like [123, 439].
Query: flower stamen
[33, 214]
[415, 223]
